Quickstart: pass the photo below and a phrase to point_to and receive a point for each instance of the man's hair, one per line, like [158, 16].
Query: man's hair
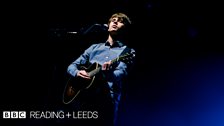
[121, 17]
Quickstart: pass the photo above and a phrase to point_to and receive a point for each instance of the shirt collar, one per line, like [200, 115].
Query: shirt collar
[116, 44]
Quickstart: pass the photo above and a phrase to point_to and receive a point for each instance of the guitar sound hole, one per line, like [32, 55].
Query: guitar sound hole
[70, 91]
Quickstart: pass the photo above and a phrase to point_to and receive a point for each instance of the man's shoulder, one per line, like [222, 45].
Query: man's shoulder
[129, 49]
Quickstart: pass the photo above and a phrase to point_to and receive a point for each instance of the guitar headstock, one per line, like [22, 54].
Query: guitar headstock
[127, 57]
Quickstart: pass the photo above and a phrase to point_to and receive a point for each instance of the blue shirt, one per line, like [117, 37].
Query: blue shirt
[100, 53]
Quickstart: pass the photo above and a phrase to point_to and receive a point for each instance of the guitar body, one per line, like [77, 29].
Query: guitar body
[75, 85]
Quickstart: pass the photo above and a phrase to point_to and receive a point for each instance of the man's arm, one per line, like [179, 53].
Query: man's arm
[82, 60]
[120, 72]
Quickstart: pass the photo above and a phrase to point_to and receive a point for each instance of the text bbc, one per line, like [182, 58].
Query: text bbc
[14, 114]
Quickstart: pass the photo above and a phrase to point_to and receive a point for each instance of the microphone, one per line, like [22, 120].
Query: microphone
[96, 27]
[93, 28]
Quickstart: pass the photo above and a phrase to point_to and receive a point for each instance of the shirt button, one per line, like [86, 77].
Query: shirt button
[107, 57]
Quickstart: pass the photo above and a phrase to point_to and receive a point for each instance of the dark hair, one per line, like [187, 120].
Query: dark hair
[121, 17]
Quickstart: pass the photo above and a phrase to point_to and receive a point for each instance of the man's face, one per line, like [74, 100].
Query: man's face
[115, 25]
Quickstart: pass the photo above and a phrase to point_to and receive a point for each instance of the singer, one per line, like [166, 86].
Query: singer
[113, 60]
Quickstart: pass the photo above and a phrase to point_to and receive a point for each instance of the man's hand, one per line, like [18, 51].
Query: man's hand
[106, 65]
[83, 74]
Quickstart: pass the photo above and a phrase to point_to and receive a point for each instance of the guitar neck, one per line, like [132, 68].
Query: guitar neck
[98, 67]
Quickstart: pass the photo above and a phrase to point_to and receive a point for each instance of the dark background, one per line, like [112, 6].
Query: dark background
[179, 75]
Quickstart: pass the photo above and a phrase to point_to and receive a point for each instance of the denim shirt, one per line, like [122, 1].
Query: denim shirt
[100, 53]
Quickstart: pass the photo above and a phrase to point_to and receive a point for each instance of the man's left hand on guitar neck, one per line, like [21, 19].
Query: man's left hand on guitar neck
[106, 65]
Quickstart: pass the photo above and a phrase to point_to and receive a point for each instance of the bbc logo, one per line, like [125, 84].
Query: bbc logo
[14, 114]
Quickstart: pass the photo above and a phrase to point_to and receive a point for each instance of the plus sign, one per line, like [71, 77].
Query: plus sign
[68, 115]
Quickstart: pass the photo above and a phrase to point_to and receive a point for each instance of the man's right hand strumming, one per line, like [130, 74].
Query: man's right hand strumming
[83, 74]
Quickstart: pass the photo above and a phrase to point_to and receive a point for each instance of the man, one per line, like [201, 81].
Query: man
[114, 59]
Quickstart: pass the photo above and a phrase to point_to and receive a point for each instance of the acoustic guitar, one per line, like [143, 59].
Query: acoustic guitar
[75, 85]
